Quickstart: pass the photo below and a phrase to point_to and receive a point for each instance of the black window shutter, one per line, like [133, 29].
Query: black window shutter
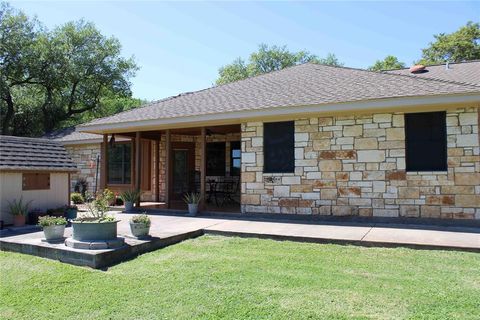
[426, 141]
[279, 147]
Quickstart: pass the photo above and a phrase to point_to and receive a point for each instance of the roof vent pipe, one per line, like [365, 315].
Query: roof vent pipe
[447, 66]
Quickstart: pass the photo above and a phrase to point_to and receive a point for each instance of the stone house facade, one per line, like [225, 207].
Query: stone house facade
[355, 165]
[320, 140]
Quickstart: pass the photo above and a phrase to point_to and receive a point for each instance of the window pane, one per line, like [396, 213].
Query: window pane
[119, 163]
[278, 144]
[426, 141]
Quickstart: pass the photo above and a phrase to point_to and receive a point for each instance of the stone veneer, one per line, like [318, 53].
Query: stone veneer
[84, 156]
[355, 165]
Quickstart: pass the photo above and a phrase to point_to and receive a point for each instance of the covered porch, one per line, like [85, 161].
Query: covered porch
[167, 164]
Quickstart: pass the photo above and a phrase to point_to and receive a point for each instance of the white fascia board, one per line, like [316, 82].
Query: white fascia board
[238, 116]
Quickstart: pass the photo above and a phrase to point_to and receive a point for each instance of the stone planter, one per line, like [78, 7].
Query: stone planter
[19, 220]
[54, 232]
[94, 231]
[139, 229]
[192, 209]
[128, 206]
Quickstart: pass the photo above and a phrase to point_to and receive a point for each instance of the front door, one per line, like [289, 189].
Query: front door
[183, 170]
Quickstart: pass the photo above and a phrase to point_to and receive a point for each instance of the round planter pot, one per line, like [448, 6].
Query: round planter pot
[192, 209]
[139, 229]
[19, 221]
[94, 231]
[71, 214]
[54, 232]
[128, 206]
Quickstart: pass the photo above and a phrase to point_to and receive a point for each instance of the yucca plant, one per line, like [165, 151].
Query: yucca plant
[130, 195]
[192, 198]
[19, 208]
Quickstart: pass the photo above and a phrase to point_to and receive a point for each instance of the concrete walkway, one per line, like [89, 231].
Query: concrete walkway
[459, 238]
[167, 230]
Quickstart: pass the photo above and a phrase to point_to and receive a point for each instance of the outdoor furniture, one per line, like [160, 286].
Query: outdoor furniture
[222, 191]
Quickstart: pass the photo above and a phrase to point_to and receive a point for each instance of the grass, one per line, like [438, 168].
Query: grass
[217, 278]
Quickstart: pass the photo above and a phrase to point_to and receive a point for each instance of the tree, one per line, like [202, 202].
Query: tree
[268, 59]
[461, 45]
[53, 77]
[389, 63]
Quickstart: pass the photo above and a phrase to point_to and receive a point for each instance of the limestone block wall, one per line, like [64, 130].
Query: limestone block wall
[84, 156]
[355, 165]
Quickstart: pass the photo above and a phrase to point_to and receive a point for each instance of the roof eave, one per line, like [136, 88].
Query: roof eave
[239, 116]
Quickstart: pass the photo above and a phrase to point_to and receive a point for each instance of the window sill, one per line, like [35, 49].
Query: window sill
[427, 173]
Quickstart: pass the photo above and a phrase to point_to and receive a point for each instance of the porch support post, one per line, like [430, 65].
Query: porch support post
[137, 163]
[103, 163]
[168, 151]
[203, 167]
[157, 170]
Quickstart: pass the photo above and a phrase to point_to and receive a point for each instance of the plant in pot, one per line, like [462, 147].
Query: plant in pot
[71, 212]
[19, 211]
[129, 197]
[53, 227]
[192, 200]
[140, 225]
[96, 225]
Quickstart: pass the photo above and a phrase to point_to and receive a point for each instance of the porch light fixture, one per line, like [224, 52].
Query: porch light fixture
[112, 140]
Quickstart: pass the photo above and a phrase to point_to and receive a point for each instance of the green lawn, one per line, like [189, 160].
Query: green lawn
[216, 277]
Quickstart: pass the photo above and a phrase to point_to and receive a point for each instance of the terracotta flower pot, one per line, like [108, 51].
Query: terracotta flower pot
[19, 221]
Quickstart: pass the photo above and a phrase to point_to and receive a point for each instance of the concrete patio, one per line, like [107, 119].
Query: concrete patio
[167, 230]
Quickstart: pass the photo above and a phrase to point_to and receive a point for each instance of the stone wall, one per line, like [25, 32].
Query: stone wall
[85, 156]
[355, 165]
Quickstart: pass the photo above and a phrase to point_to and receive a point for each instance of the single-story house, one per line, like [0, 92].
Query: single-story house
[309, 139]
[36, 170]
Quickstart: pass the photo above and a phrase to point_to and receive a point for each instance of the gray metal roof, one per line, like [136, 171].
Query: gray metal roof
[463, 72]
[33, 154]
[302, 85]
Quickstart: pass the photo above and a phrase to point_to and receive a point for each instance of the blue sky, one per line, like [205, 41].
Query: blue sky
[179, 46]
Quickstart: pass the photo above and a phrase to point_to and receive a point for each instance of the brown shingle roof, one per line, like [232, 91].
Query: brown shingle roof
[306, 84]
[464, 72]
[22, 154]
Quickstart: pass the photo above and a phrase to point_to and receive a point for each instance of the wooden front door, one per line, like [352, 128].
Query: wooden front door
[182, 173]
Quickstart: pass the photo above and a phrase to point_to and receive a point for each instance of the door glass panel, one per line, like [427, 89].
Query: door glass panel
[180, 172]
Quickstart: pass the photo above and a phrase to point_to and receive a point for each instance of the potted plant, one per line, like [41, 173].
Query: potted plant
[192, 200]
[53, 227]
[96, 225]
[71, 212]
[140, 225]
[129, 197]
[19, 211]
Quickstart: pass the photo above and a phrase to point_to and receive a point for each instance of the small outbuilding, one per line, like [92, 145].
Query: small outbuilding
[36, 170]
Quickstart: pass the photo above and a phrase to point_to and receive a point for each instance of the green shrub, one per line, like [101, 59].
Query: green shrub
[141, 218]
[108, 195]
[18, 208]
[131, 195]
[192, 198]
[47, 221]
[77, 198]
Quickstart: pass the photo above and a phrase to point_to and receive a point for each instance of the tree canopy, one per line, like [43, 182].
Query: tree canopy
[458, 46]
[267, 59]
[389, 63]
[54, 77]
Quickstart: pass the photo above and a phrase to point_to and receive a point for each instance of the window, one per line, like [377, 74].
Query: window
[36, 181]
[426, 141]
[120, 163]
[235, 158]
[216, 159]
[278, 147]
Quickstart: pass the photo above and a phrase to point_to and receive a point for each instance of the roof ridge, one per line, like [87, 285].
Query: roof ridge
[439, 64]
[397, 74]
[31, 139]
